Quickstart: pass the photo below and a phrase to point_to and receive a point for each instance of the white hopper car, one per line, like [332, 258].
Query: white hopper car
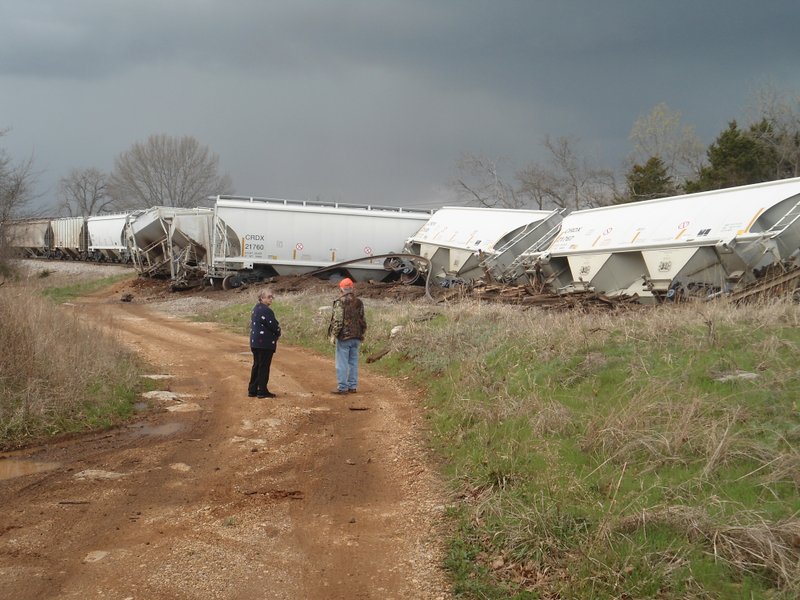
[29, 238]
[255, 238]
[465, 243]
[108, 237]
[169, 241]
[70, 238]
[708, 241]
[191, 233]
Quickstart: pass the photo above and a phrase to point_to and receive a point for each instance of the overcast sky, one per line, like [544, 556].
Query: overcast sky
[374, 101]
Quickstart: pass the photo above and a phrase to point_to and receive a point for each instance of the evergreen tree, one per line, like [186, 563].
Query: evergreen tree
[648, 181]
[736, 158]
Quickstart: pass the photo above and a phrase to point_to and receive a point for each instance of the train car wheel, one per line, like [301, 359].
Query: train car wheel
[231, 282]
[409, 277]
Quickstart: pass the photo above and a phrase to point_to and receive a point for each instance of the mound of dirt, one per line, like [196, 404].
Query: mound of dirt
[147, 290]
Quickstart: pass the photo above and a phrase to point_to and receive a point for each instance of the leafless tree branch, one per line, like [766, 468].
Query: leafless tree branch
[84, 192]
[167, 171]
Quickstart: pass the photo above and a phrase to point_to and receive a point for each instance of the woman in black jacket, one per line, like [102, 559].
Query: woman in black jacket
[264, 334]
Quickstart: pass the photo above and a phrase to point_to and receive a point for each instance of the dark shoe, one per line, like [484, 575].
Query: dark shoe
[353, 391]
[339, 392]
[251, 395]
[270, 395]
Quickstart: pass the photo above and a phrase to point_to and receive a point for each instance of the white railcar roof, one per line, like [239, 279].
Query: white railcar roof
[689, 220]
[121, 217]
[307, 206]
[474, 228]
[58, 220]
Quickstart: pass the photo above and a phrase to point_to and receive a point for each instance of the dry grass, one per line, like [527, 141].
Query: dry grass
[750, 544]
[55, 371]
[636, 394]
[563, 431]
[670, 432]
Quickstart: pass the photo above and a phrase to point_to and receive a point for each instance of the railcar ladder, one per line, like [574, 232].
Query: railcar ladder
[786, 220]
[512, 271]
[490, 263]
[534, 248]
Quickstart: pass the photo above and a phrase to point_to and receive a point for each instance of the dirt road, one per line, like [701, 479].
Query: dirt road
[217, 495]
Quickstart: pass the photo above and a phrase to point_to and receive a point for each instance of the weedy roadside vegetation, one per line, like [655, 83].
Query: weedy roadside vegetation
[58, 374]
[65, 293]
[652, 453]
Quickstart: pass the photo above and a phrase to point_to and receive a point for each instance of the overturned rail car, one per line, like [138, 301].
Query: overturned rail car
[699, 244]
[191, 235]
[463, 244]
[171, 242]
[255, 238]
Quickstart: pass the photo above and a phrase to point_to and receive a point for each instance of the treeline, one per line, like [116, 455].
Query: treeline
[161, 171]
[667, 158]
[762, 152]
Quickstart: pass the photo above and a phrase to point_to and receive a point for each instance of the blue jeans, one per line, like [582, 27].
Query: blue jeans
[347, 364]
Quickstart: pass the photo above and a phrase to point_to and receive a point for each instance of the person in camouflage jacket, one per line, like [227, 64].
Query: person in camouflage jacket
[346, 330]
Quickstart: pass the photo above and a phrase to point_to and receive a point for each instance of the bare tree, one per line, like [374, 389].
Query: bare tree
[778, 112]
[16, 192]
[167, 171]
[84, 192]
[480, 182]
[662, 135]
[16, 185]
[539, 184]
[568, 181]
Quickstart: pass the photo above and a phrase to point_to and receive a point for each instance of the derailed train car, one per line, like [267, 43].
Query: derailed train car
[255, 238]
[171, 242]
[699, 244]
[462, 244]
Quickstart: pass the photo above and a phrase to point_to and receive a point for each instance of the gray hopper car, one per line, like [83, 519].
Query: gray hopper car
[255, 238]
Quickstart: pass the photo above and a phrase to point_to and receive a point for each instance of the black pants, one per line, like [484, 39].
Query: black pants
[259, 374]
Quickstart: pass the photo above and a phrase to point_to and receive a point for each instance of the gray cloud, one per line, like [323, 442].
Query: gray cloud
[373, 101]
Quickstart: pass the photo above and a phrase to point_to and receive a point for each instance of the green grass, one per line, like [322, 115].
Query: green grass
[101, 407]
[601, 456]
[71, 292]
[301, 324]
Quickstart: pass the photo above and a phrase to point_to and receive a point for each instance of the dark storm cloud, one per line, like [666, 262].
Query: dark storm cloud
[456, 40]
[361, 97]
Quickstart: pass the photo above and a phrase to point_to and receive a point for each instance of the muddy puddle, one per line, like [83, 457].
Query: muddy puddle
[17, 467]
[162, 429]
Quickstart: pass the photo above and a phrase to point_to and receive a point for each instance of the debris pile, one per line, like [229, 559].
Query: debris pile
[780, 282]
[526, 296]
